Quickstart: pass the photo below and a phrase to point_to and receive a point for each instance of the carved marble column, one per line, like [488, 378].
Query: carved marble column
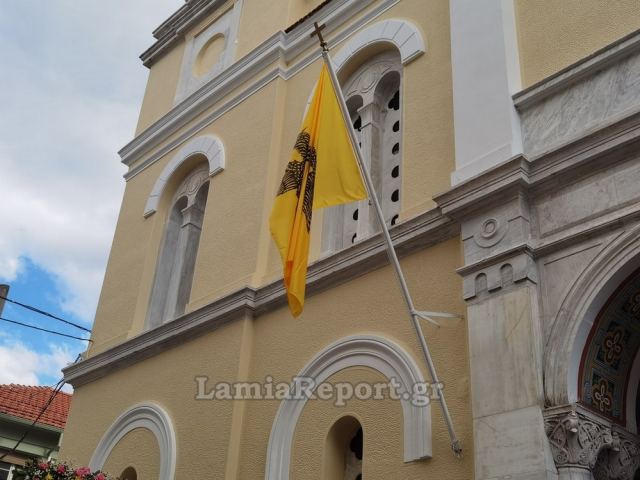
[500, 284]
[585, 445]
[369, 138]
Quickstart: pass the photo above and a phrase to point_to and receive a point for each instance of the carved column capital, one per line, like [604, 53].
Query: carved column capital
[581, 439]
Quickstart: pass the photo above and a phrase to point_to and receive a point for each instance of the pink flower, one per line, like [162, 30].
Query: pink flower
[61, 468]
[43, 466]
[82, 471]
[100, 476]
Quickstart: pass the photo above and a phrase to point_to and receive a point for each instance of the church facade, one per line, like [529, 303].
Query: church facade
[503, 138]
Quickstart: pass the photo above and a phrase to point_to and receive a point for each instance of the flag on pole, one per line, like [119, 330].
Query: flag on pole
[323, 172]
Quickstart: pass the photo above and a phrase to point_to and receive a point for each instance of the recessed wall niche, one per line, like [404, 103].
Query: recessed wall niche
[209, 51]
[209, 55]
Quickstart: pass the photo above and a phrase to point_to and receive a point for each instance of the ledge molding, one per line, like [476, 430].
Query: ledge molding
[578, 71]
[281, 46]
[413, 235]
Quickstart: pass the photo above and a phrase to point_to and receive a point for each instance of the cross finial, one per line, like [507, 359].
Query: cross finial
[318, 32]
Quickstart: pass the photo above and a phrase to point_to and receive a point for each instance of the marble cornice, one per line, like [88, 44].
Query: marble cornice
[413, 235]
[277, 51]
[517, 176]
[578, 71]
[498, 257]
[520, 175]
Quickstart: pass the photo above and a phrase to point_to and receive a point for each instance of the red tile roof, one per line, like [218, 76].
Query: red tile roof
[26, 402]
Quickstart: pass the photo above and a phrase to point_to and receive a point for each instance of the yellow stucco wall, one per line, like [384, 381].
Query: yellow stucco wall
[277, 345]
[137, 449]
[235, 247]
[202, 429]
[229, 439]
[554, 34]
[161, 87]
[371, 304]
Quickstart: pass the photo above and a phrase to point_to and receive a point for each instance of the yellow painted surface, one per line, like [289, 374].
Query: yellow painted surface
[300, 8]
[258, 22]
[235, 246]
[554, 34]
[202, 427]
[371, 304]
[209, 433]
[139, 450]
[162, 85]
[229, 439]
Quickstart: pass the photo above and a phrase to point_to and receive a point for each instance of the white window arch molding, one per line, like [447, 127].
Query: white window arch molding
[373, 93]
[579, 310]
[374, 352]
[151, 417]
[208, 145]
[404, 35]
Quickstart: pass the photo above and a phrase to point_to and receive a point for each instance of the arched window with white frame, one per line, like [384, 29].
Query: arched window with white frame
[374, 99]
[177, 259]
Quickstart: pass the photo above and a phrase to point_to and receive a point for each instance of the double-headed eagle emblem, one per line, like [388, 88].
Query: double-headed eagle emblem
[294, 174]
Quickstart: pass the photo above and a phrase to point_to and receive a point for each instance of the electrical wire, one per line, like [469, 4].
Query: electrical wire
[55, 392]
[45, 330]
[47, 314]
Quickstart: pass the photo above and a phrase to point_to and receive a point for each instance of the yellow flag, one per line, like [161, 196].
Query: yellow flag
[323, 171]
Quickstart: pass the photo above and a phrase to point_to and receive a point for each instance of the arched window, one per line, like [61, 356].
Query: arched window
[176, 262]
[374, 100]
[343, 451]
[128, 473]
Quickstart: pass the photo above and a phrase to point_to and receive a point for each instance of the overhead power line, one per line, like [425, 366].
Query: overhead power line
[47, 314]
[45, 330]
[56, 390]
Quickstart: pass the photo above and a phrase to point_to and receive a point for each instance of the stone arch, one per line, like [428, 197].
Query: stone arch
[580, 309]
[404, 35]
[371, 351]
[609, 367]
[148, 416]
[208, 145]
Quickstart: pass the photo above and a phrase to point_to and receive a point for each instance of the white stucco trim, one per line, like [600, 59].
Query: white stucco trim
[207, 145]
[404, 35]
[145, 415]
[226, 25]
[485, 69]
[579, 310]
[256, 69]
[370, 351]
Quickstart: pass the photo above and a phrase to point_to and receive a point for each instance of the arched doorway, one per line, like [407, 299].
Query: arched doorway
[610, 366]
[596, 435]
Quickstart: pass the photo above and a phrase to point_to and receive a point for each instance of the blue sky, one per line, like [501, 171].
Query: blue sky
[70, 92]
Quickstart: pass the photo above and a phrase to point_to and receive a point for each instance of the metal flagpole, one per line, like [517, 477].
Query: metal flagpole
[391, 252]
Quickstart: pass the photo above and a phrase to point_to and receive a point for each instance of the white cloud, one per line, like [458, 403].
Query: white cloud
[21, 365]
[72, 88]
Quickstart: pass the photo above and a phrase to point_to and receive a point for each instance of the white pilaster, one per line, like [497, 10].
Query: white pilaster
[486, 73]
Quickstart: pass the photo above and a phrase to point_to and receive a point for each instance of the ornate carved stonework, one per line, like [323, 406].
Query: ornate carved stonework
[491, 232]
[580, 439]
